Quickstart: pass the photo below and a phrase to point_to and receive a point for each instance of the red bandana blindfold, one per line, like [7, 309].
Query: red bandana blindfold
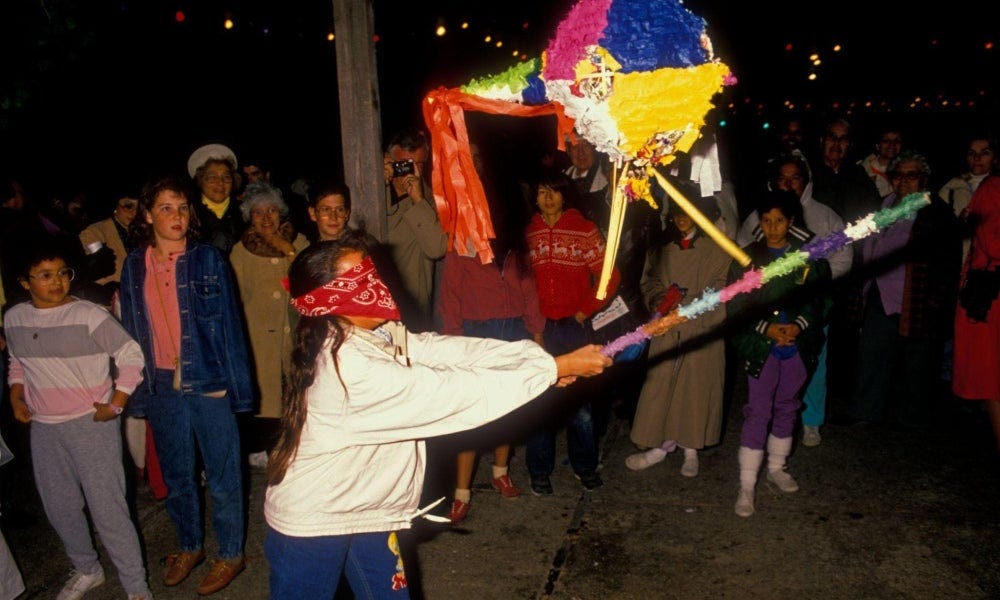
[359, 292]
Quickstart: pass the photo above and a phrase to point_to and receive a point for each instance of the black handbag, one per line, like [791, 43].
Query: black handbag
[978, 292]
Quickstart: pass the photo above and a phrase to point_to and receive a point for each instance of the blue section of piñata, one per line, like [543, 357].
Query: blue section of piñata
[645, 35]
[534, 94]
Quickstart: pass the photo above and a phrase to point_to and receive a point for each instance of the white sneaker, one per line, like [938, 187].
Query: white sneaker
[258, 460]
[690, 466]
[744, 503]
[811, 436]
[81, 583]
[783, 480]
[643, 460]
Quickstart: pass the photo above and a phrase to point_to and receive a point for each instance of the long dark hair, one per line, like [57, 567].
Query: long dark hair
[313, 267]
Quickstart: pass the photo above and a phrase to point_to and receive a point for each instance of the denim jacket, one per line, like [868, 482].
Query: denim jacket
[213, 344]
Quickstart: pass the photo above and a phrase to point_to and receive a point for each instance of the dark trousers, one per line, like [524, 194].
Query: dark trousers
[897, 376]
[563, 336]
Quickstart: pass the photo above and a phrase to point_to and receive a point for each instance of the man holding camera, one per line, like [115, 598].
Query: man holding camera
[415, 238]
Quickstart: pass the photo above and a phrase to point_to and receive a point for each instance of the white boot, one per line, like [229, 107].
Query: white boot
[750, 461]
[778, 450]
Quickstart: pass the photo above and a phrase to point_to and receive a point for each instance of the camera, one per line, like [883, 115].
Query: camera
[401, 168]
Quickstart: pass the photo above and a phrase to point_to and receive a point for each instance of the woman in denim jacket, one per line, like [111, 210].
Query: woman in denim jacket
[179, 302]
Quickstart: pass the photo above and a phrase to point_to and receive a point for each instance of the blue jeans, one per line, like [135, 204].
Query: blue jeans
[508, 330]
[179, 421]
[310, 567]
[562, 336]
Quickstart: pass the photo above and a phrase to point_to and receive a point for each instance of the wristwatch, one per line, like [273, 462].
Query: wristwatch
[116, 409]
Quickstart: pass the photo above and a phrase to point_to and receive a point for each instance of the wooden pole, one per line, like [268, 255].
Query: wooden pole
[707, 227]
[615, 222]
[360, 117]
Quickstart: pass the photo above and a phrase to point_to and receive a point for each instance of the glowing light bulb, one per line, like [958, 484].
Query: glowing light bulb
[228, 23]
[330, 37]
[440, 31]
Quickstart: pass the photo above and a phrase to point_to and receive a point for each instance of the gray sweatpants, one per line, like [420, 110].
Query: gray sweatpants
[77, 462]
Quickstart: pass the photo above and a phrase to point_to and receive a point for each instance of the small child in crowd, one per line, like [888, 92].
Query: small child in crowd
[62, 383]
[779, 340]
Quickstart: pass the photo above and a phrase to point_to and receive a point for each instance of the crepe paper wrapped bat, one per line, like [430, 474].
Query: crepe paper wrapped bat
[753, 279]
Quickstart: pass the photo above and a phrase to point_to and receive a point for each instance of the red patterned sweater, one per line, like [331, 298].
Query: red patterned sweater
[566, 260]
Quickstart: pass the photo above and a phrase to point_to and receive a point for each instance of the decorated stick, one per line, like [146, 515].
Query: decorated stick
[703, 223]
[615, 223]
[755, 278]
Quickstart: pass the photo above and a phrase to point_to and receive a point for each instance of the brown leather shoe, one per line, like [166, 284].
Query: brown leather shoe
[180, 564]
[221, 573]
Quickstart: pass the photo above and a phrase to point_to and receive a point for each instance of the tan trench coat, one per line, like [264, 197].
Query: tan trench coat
[681, 398]
[269, 318]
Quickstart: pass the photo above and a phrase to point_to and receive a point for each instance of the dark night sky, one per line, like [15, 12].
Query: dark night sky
[104, 92]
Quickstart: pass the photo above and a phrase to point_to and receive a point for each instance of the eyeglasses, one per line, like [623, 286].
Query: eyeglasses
[47, 276]
[218, 179]
[907, 175]
[128, 205]
[331, 211]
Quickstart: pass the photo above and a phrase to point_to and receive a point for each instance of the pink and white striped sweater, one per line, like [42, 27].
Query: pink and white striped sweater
[61, 356]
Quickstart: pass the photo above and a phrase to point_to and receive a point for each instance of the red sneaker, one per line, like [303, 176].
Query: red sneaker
[459, 510]
[506, 487]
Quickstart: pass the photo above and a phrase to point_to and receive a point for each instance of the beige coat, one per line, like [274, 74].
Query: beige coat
[269, 318]
[416, 241]
[681, 399]
[106, 233]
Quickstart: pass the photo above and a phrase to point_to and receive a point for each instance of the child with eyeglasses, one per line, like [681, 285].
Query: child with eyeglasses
[61, 384]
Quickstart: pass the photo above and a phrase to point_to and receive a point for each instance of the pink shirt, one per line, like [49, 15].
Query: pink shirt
[164, 313]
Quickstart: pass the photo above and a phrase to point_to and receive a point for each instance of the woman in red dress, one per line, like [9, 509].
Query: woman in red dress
[977, 336]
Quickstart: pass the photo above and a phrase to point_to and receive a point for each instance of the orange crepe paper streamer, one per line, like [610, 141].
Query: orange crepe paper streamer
[458, 193]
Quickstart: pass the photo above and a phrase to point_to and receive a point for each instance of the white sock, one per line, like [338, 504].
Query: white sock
[499, 472]
[690, 453]
[463, 495]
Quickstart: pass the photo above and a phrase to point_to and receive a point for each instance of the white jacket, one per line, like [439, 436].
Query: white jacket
[360, 462]
[820, 220]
